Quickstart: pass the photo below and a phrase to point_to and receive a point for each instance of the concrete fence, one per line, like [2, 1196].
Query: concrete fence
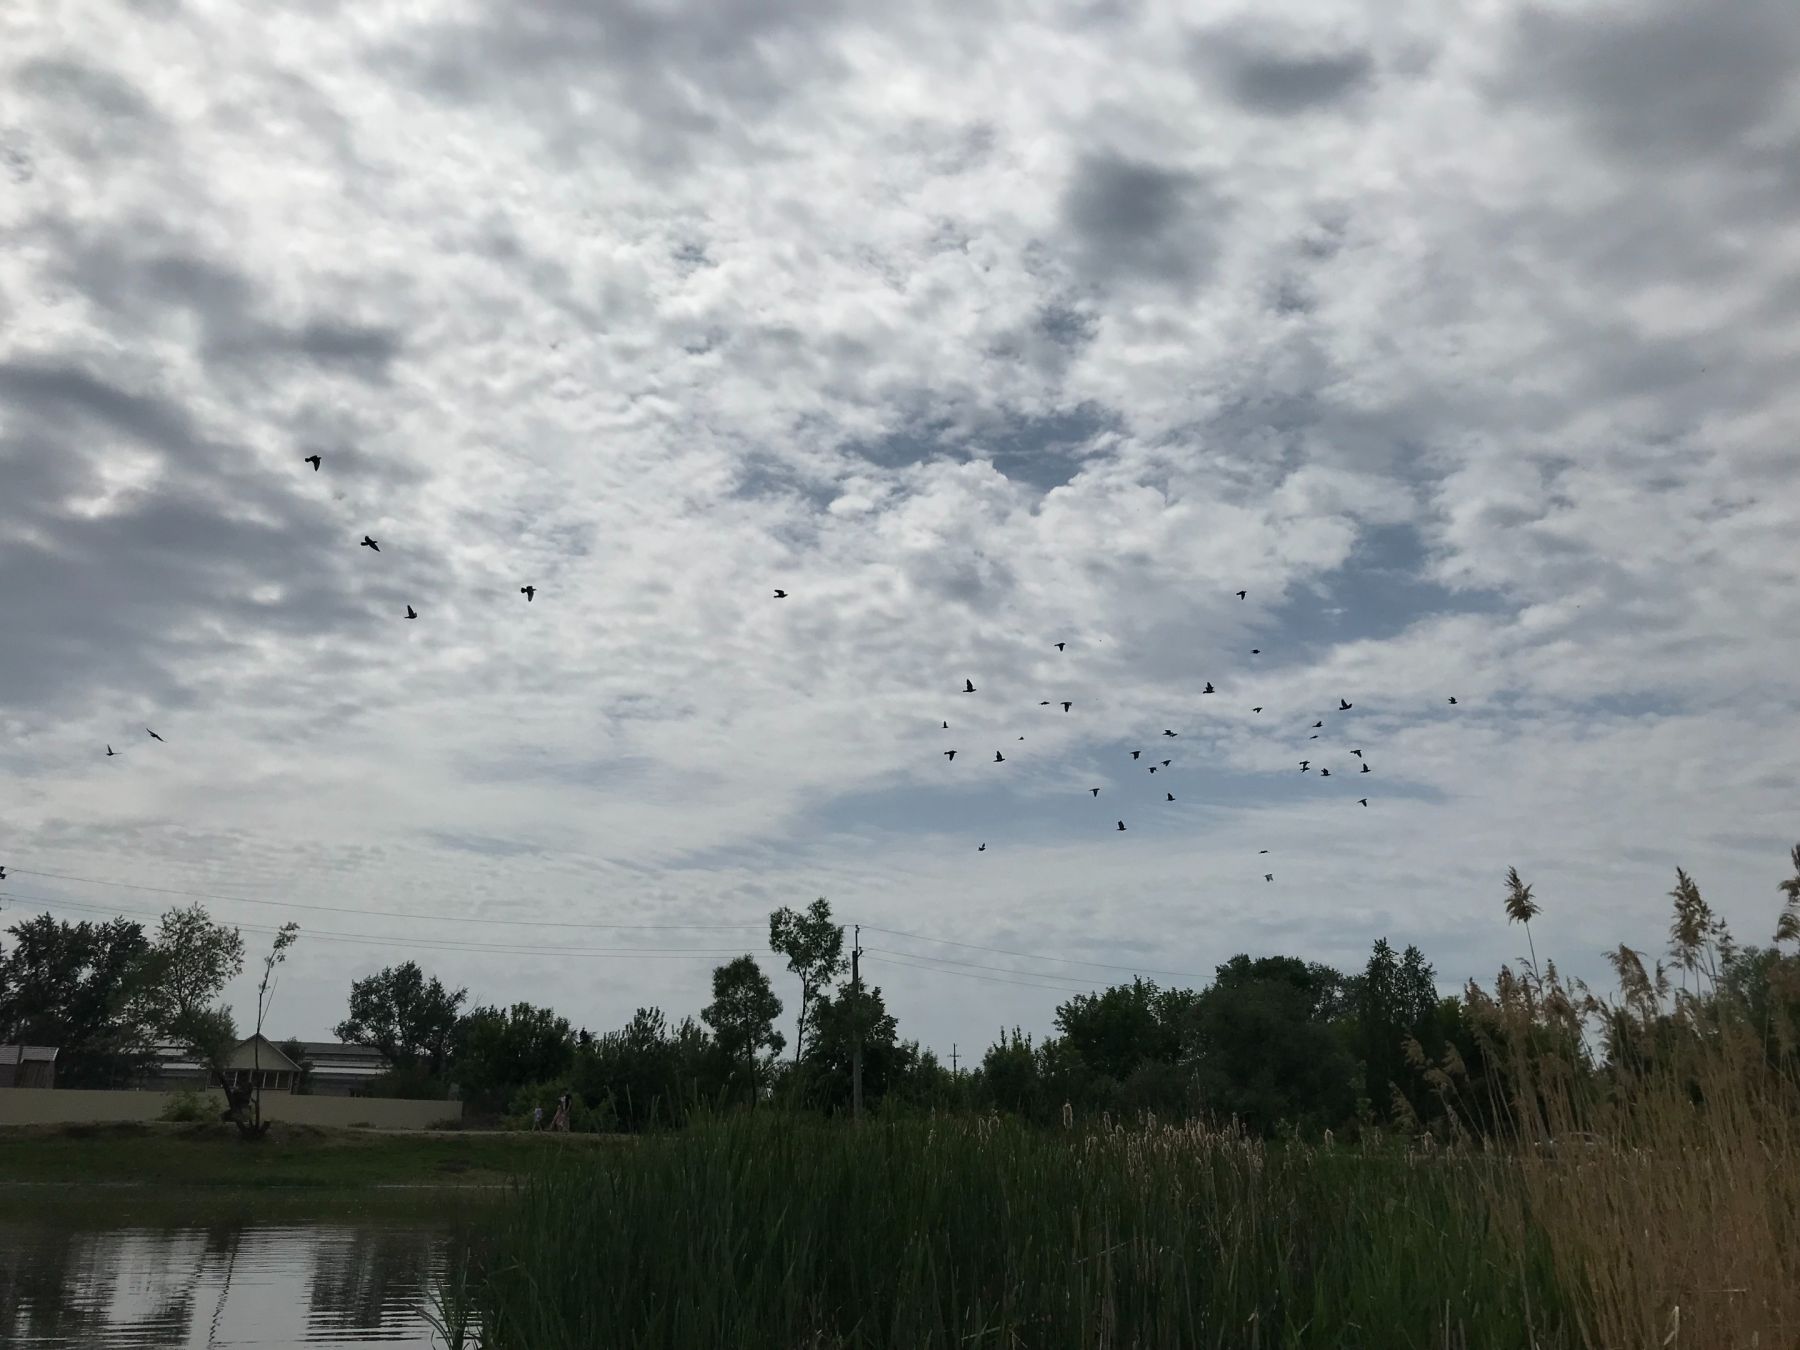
[58, 1106]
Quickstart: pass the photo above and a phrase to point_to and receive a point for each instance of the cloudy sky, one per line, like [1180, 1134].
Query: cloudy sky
[1461, 336]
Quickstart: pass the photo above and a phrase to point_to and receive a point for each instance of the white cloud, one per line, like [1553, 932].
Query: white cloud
[974, 329]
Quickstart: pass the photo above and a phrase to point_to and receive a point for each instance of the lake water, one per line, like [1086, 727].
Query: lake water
[94, 1280]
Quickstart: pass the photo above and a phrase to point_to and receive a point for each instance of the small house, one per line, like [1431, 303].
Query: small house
[28, 1066]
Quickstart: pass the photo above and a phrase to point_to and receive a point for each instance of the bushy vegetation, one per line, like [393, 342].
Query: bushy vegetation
[1552, 1168]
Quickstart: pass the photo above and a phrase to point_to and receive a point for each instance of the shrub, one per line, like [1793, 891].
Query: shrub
[188, 1107]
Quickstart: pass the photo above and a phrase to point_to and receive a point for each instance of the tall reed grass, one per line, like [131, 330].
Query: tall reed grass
[772, 1231]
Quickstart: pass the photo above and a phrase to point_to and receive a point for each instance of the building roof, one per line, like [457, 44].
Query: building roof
[28, 1054]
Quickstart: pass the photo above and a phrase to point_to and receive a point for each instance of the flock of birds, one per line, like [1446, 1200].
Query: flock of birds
[530, 594]
[1306, 765]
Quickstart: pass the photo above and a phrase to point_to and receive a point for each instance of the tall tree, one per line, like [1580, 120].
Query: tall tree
[285, 937]
[188, 967]
[498, 1052]
[76, 986]
[855, 1010]
[410, 1019]
[1116, 1030]
[742, 1016]
[814, 947]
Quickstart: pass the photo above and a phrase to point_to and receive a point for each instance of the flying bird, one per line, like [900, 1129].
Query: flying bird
[1357, 753]
[1067, 706]
[153, 735]
[1305, 764]
[411, 613]
[1170, 795]
[950, 754]
[1343, 706]
[1256, 651]
[968, 686]
[1363, 800]
[1153, 768]
[1121, 826]
[370, 543]
[981, 848]
[1324, 773]
[1136, 753]
[1256, 709]
[1061, 645]
[1317, 725]
[1167, 732]
[530, 593]
[312, 460]
[1240, 595]
[1365, 768]
[1453, 698]
[1313, 737]
[946, 726]
[1268, 876]
[780, 595]
[1209, 689]
[1095, 791]
[1262, 850]
[1167, 762]
[1043, 703]
[110, 752]
[999, 758]
[2, 874]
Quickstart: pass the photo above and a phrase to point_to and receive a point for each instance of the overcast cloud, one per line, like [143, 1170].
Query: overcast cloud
[1461, 337]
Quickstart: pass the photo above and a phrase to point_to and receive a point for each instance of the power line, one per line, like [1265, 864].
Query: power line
[427, 943]
[974, 965]
[378, 913]
[987, 979]
[1031, 956]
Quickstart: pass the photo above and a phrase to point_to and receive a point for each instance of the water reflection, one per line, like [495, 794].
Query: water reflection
[222, 1284]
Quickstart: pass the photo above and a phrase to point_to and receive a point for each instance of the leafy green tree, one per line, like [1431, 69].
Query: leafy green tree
[839, 1018]
[814, 947]
[742, 1017]
[650, 1073]
[295, 1050]
[1008, 1078]
[191, 961]
[497, 1052]
[77, 986]
[1120, 1028]
[1264, 1049]
[410, 1019]
[285, 937]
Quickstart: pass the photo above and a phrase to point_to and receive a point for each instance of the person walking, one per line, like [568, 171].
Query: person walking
[537, 1116]
[560, 1122]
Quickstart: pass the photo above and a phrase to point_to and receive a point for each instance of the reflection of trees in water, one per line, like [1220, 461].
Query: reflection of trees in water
[370, 1279]
[58, 1284]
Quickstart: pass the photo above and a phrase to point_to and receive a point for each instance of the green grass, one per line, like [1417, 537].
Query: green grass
[290, 1156]
[778, 1232]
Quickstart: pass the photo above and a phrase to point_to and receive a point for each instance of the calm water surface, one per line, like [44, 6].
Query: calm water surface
[91, 1279]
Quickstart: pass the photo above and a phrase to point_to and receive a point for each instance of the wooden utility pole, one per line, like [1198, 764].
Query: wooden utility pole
[953, 1059]
[856, 1044]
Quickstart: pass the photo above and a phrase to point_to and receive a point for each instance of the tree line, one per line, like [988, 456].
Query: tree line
[1277, 1043]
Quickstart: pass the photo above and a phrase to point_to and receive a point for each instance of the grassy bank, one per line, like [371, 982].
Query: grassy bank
[291, 1156]
[765, 1231]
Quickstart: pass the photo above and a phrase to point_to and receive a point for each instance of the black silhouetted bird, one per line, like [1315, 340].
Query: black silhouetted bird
[1262, 850]
[1324, 773]
[999, 758]
[1167, 732]
[1167, 762]
[1067, 706]
[1153, 768]
[530, 593]
[981, 848]
[1453, 698]
[1357, 753]
[1305, 764]
[946, 726]
[1136, 753]
[1169, 795]
[1095, 791]
[1268, 876]
[370, 543]
[110, 752]
[312, 460]
[1365, 768]
[1256, 651]
[1121, 826]
[1021, 738]
[1316, 725]
[1363, 800]
[1240, 595]
[968, 686]
[153, 735]
[2, 874]
[1061, 645]
[1313, 737]
[1343, 706]
[950, 754]
[1256, 709]
[1043, 703]
[411, 613]
[1209, 689]
[780, 595]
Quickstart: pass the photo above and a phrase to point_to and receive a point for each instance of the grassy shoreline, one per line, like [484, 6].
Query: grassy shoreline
[35, 1158]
